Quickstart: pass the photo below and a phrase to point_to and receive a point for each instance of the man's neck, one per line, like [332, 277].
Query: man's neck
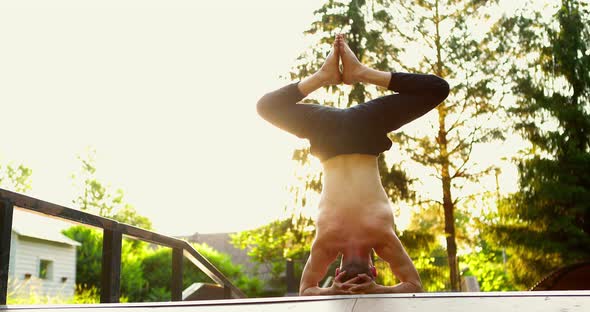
[356, 253]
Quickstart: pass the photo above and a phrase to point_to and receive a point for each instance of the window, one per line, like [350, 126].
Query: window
[45, 269]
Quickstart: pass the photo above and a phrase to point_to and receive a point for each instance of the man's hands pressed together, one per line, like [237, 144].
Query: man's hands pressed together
[342, 288]
[364, 284]
[361, 284]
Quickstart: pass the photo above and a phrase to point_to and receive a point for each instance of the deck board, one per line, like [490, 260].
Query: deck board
[562, 301]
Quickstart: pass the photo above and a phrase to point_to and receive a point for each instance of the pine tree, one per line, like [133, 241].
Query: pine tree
[547, 223]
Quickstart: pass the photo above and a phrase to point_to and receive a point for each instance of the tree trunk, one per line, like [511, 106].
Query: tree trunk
[448, 204]
[442, 141]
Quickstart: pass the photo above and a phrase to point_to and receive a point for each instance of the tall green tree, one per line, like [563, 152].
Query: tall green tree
[99, 198]
[450, 48]
[547, 223]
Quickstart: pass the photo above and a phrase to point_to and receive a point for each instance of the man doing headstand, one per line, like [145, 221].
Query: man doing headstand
[355, 216]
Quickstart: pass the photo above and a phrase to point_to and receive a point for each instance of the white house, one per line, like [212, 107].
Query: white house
[42, 260]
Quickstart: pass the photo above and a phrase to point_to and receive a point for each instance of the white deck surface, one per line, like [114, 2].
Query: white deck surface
[563, 301]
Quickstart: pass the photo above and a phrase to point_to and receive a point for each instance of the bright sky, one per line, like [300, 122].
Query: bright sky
[165, 91]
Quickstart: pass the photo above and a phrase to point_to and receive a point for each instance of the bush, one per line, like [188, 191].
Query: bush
[85, 295]
[158, 271]
[89, 262]
[145, 272]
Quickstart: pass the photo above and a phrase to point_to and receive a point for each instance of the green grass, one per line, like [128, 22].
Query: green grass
[82, 295]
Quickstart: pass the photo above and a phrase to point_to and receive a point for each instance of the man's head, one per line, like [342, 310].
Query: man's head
[355, 266]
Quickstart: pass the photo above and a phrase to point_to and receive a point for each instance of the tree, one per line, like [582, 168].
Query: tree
[128, 214]
[273, 244]
[17, 179]
[488, 264]
[485, 258]
[422, 241]
[100, 199]
[452, 50]
[547, 223]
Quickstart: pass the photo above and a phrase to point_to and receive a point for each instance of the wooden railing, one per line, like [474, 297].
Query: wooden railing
[113, 232]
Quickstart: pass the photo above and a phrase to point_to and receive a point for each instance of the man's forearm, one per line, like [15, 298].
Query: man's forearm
[315, 291]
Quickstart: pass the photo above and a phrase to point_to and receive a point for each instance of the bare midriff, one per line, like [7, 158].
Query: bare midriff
[354, 210]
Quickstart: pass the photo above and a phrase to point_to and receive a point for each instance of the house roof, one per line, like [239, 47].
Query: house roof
[39, 227]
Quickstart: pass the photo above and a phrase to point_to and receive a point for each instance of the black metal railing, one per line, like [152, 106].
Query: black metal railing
[113, 232]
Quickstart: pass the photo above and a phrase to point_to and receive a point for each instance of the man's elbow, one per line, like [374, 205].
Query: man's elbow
[307, 291]
[301, 291]
[263, 106]
[416, 286]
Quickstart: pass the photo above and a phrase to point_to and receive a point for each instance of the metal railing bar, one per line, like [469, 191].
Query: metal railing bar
[110, 281]
[34, 205]
[202, 267]
[202, 263]
[6, 213]
[126, 229]
[227, 292]
[80, 217]
[177, 270]
[152, 237]
[55, 210]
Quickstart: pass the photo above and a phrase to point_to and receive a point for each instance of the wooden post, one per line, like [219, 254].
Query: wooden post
[226, 292]
[290, 276]
[111, 267]
[6, 212]
[177, 269]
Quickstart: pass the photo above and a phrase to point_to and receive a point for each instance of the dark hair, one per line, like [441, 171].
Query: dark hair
[354, 268]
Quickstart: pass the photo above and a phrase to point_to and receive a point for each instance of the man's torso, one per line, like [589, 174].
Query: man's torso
[354, 209]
